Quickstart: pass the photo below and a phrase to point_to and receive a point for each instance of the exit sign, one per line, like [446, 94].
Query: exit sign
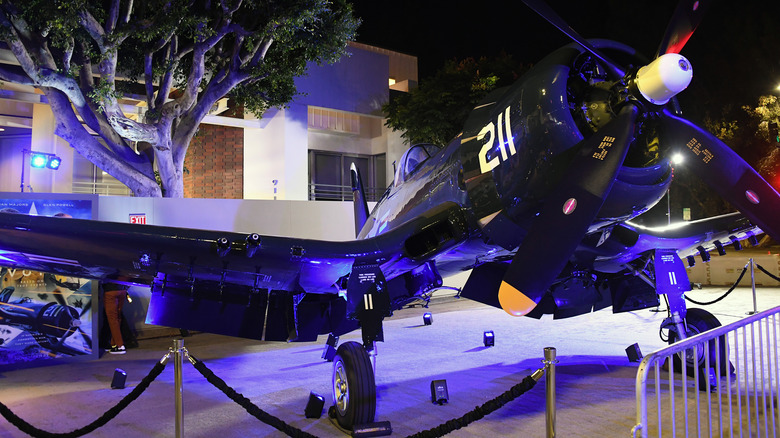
[138, 218]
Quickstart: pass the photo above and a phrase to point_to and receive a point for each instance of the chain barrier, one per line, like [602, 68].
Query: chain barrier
[478, 413]
[105, 418]
[761, 268]
[244, 402]
[734, 286]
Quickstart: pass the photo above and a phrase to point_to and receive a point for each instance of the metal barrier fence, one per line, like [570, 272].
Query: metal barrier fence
[734, 397]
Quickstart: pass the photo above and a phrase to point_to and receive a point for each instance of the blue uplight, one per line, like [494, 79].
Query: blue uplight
[38, 161]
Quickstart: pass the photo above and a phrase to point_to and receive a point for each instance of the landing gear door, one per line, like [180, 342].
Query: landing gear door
[671, 279]
[670, 273]
[368, 301]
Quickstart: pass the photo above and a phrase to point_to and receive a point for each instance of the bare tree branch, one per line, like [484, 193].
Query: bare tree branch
[113, 16]
[166, 82]
[93, 28]
[67, 55]
[15, 74]
[128, 12]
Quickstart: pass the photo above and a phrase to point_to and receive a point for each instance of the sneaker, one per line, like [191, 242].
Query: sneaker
[117, 350]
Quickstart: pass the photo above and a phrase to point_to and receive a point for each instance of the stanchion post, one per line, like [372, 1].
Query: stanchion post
[549, 364]
[753, 285]
[178, 364]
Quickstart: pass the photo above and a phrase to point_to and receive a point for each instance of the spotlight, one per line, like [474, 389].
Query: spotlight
[691, 261]
[314, 406]
[120, 376]
[54, 162]
[439, 393]
[633, 353]
[428, 318]
[38, 161]
[488, 338]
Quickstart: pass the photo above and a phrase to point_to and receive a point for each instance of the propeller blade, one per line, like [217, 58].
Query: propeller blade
[686, 18]
[566, 215]
[726, 172]
[541, 8]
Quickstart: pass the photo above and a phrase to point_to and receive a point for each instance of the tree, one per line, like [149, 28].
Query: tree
[435, 111]
[179, 56]
[767, 114]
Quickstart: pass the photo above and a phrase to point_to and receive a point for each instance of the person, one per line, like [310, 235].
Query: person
[114, 297]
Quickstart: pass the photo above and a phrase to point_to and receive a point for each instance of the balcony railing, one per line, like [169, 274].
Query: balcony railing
[329, 192]
[101, 188]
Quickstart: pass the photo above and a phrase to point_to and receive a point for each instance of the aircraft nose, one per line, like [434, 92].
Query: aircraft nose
[664, 78]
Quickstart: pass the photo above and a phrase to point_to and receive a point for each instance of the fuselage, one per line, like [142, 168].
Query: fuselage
[515, 147]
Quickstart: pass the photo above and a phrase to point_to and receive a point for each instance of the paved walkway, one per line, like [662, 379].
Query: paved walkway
[595, 384]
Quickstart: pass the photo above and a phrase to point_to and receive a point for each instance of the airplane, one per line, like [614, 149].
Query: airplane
[535, 197]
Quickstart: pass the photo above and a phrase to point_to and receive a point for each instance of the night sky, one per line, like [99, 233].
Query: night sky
[734, 51]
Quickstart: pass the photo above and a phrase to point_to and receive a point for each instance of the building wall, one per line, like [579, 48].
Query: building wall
[11, 159]
[260, 159]
[357, 83]
[276, 156]
[215, 163]
[275, 164]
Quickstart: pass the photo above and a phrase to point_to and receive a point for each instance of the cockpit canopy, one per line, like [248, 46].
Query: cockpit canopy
[413, 159]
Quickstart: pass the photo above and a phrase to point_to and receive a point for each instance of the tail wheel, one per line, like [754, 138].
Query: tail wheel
[354, 389]
[699, 321]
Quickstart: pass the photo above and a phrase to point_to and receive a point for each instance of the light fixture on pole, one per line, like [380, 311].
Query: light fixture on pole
[39, 160]
[677, 158]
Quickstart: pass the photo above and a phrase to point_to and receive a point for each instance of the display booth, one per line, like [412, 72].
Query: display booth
[44, 317]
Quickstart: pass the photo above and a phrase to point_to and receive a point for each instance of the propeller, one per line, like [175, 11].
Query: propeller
[726, 172]
[686, 18]
[572, 207]
[567, 214]
[541, 8]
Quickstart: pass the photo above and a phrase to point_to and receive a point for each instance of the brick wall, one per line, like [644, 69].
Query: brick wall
[215, 161]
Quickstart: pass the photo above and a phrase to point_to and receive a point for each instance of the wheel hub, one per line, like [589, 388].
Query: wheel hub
[340, 388]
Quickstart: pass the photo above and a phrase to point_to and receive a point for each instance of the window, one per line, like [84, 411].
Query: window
[332, 120]
[329, 175]
[87, 178]
[413, 159]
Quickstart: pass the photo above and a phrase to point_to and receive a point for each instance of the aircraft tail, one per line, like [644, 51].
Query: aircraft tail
[359, 199]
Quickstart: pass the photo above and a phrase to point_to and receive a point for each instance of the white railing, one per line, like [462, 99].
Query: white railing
[330, 192]
[738, 398]
[101, 188]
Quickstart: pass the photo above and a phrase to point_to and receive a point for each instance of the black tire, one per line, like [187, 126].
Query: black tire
[354, 388]
[699, 321]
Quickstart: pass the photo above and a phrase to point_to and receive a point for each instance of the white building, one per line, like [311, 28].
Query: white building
[297, 153]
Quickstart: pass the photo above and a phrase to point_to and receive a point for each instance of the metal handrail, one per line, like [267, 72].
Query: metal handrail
[334, 192]
[700, 340]
[101, 188]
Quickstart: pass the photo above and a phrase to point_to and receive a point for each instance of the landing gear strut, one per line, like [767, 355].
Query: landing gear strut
[698, 321]
[354, 389]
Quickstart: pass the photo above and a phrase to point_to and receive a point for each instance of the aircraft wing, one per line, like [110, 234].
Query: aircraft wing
[687, 238]
[138, 253]
[249, 285]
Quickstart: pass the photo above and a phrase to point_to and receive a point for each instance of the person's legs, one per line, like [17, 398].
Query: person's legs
[113, 302]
